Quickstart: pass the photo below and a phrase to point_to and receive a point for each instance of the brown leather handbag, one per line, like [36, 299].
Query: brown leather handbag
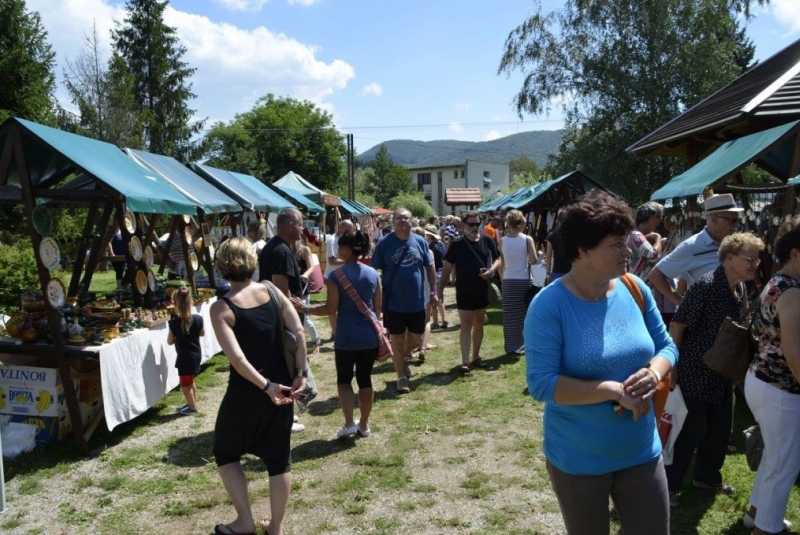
[734, 347]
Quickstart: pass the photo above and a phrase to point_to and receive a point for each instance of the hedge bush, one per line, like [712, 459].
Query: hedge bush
[17, 273]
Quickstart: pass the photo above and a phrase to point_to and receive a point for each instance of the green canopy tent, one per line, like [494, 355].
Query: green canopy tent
[208, 200]
[299, 200]
[302, 186]
[45, 166]
[244, 194]
[771, 150]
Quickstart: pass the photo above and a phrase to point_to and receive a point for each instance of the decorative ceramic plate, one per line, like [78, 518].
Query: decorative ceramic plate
[194, 261]
[141, 282]
[56, 294]
[130, 222]
[187, 235]
[42, 220]
[148, 256]
[135, 248]
[49, 252]
[187, 219]
[151, 280]
[211, 251]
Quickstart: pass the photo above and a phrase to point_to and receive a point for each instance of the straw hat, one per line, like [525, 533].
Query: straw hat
[432, 231]
[719, 204]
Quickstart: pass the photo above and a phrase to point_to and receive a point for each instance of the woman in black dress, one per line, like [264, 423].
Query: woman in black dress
[245, 321]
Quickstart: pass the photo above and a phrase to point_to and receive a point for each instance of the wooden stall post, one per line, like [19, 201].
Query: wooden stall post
[52, 314]
[80, 256]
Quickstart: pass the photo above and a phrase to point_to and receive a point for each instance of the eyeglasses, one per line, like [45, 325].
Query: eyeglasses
[478, 224]
[753, 261]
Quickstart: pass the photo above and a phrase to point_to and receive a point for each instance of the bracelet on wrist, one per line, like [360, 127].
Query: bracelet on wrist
[266, 386]
[655, 373]
[302, 372]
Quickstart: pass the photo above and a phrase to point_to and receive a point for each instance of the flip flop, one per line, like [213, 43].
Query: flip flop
[478, 363]
[465, 369]
[230, 531]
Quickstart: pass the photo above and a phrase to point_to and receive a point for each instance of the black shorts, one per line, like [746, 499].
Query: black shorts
[399, 322]
[472, 299]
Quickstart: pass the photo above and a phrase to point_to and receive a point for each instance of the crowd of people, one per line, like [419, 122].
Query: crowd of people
[624, 315]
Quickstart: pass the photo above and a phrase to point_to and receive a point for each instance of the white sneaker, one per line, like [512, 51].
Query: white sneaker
[296, 419]
[296, 428]
[346, 431]
[750, 522]
[364, 433]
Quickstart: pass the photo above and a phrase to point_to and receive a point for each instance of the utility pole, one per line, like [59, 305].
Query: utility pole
[351, 174]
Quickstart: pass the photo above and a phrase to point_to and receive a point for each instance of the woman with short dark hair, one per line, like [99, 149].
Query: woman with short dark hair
[772, 386]
[356, 342]
[255, 415]
[594, 355]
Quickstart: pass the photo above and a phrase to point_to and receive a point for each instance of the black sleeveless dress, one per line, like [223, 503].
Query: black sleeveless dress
[248, 421]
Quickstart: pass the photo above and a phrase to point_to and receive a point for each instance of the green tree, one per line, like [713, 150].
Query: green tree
[416, 203]
[523, 164]
[280, 134]
[620, 70]
[153, 55]
[390, 179]
[103, 91]
[27, 63]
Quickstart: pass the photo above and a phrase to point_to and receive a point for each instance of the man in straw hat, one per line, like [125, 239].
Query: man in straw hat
[697, 255]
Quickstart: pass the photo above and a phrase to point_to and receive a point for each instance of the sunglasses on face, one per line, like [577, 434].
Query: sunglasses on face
[473, 224]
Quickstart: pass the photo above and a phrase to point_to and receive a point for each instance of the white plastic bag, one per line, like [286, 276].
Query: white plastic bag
[18, 438]
[671, 423]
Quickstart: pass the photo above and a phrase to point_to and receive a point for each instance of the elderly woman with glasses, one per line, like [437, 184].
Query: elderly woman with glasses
[716, 295]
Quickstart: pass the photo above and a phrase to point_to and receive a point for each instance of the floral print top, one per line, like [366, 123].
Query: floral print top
[769, 364]
[643, 254]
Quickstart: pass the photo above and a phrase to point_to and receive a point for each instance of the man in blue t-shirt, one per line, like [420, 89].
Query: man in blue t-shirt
[402, 257]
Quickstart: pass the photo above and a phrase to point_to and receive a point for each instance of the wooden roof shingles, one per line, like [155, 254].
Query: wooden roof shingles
[766, 95]
[465, 196]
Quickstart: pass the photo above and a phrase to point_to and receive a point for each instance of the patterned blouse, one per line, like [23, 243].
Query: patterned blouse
[769, 364]
[643, 254]
[706, 305]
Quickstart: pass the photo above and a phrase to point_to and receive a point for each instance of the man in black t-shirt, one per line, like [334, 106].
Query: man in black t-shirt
[477, 259]
[276, 261]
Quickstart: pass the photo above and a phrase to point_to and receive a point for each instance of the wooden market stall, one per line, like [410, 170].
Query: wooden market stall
[469, 197]
[42, 168]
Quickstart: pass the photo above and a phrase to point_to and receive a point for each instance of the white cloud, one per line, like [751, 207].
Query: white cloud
[787, 13]
[234, 66]
[303, 2]
[373, 89]
[455, 126]
[462, 105]
[492, 135]
[242, 5]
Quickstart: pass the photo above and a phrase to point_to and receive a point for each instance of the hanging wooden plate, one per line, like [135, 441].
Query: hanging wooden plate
[42, 220]
[141, 282]
[49, 253]
[55, 293]
[151, 280]
[130, 222]
[135, 248]
[148, 256]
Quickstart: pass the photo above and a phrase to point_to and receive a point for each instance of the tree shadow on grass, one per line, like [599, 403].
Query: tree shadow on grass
[323, 407]
[433, 379]
[192, 451]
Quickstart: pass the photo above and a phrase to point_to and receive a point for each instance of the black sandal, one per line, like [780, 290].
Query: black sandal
[478, 363]
[465, 369]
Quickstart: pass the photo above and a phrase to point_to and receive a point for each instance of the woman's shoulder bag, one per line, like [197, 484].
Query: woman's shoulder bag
[288, 340]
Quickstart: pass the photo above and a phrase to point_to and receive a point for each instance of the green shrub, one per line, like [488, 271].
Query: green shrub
[416, 203]
[17, 273]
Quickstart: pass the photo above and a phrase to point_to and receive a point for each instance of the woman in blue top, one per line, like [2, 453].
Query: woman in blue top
[356, 342]
[595, 359]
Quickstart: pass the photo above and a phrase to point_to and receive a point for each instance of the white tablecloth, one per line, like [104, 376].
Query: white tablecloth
[138, 370]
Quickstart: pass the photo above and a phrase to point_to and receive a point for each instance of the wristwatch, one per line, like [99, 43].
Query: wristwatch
[302, 373]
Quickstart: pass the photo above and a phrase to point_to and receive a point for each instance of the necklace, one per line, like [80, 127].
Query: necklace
[581, 293]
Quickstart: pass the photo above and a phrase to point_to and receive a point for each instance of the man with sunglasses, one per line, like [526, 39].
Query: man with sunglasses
[477, 259]
[697, 255]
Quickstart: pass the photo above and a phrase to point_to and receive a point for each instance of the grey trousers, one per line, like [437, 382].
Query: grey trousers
[639, 493]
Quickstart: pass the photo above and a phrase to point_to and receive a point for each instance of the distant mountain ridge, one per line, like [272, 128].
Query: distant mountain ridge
[536, 145]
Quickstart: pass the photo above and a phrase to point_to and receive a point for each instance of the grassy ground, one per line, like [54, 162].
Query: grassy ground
[457, 455]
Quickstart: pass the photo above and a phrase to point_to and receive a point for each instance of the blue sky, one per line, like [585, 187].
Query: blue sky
[402, 69]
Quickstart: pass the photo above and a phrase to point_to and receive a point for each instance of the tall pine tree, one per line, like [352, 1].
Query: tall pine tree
[27, 61]
[152, 53]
